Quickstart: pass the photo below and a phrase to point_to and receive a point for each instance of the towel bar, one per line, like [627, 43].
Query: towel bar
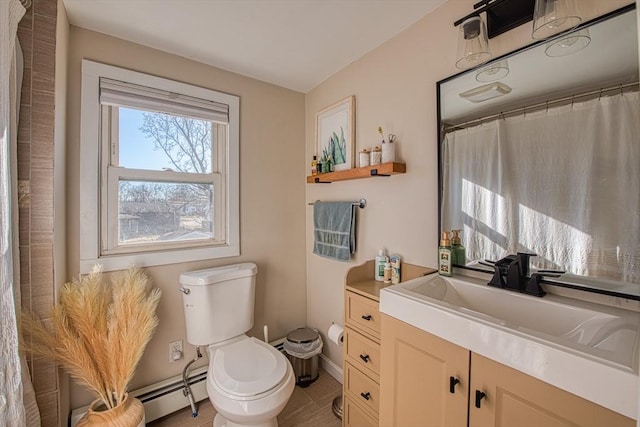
[362, 203]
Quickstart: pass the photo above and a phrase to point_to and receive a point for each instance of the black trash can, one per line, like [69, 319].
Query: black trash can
[303, 346]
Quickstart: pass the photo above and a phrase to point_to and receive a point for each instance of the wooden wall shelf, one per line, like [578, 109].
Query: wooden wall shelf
[383, 169]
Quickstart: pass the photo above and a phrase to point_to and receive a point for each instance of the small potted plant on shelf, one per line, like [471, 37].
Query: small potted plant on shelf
[99, 332]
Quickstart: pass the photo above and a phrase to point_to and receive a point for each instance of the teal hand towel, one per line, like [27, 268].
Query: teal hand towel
[334, 228]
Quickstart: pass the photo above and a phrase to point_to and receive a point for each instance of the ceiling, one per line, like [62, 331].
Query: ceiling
[296, 44]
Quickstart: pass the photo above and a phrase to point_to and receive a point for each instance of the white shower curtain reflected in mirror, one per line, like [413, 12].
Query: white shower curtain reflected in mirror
[12, 372]
[562, 183]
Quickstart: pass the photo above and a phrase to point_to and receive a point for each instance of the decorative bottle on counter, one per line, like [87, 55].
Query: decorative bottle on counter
[314, 165]
[381, 259]
[387, 272]
[444, 255]
[395, 268]
[459, 254]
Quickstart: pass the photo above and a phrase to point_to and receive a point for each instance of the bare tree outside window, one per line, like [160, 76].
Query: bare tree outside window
[185, 141]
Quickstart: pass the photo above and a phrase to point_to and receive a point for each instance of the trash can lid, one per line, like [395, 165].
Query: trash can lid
[303, 335]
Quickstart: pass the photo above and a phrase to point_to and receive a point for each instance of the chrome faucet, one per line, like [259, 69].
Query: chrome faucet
[512, 273]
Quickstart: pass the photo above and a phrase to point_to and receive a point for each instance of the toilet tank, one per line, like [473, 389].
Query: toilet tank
[218, 302]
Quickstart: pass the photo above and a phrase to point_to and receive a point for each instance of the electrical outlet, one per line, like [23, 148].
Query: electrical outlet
[175, 351]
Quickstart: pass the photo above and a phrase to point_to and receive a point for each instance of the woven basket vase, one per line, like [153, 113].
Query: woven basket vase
[130, 413]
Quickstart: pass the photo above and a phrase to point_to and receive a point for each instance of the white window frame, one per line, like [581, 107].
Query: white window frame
[95, 167]
[112, 174]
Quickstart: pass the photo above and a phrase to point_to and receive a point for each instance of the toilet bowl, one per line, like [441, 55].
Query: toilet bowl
[249, 381]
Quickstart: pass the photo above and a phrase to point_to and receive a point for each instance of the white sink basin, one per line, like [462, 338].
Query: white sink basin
[600, 327]
[588, 349]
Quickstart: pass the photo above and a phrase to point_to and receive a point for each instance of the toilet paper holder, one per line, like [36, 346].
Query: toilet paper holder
[335, 334]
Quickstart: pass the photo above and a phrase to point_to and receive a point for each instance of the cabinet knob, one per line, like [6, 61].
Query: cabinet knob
[452, 384]
[479, 396]
[365, 357]
[366, 317]
[366, 396]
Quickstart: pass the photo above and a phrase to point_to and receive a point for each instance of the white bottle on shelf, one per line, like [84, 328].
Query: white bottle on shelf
[381, 259]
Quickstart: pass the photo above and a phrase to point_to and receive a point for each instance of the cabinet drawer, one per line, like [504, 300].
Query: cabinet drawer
[354, 416]
[363, 313]
[362, 352]
[362, 388]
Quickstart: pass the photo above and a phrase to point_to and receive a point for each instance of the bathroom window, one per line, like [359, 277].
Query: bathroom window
[159, 170]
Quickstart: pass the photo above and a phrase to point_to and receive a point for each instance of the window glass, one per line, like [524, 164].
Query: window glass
[160, 212]
[158, 141]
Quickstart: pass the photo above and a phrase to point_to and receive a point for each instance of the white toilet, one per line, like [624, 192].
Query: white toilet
[249, 382]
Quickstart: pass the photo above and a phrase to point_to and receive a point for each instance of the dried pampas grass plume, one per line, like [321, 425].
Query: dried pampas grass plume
[99, 331]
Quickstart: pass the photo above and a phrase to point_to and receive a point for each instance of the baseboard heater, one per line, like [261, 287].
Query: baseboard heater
[166, 397]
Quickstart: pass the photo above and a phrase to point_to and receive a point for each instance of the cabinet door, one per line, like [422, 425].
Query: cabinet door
[513, 398]
[419, 371]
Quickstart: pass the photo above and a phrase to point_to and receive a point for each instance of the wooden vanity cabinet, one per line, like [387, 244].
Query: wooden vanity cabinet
[418, 387]
[361, 366]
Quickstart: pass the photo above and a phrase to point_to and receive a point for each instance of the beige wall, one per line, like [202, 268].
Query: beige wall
[271, 194]
[395, 87]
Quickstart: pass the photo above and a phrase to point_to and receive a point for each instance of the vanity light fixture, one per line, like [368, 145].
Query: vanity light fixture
[473, 45]
[569, 44]
[474, 31]
[501, 15]
[486, 92]
[551, 17]
[492, 72]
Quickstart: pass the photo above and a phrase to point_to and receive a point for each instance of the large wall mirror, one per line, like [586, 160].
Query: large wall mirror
[539, 152]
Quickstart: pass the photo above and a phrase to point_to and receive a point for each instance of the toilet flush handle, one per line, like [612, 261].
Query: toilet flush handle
[184, 290]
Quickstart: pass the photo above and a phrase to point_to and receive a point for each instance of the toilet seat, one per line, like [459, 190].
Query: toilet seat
[247, 367]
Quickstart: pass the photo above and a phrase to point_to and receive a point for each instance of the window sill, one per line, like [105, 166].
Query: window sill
[150, 259]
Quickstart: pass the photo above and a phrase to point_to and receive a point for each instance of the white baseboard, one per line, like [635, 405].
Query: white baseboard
[162, 398]
[332, 369]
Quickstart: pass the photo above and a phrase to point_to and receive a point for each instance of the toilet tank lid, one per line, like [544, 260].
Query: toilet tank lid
[209, 276]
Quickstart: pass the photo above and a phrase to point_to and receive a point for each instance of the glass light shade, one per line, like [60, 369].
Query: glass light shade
[494, 71]
[569, 44]
[473, 45]
[551, 17]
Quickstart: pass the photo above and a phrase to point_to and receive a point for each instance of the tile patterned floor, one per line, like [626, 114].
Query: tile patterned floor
[308, 407]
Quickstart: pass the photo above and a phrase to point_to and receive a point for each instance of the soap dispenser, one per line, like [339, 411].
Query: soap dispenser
[459, 255]
[381, 260]
[445, 255]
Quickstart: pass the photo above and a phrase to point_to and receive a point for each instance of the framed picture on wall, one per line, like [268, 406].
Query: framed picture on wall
[335, 134]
